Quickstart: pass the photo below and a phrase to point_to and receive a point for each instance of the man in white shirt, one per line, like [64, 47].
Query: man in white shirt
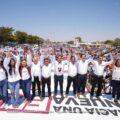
[72, 75]
[99, 66]
[58, 78]
[36, 76]
[46, 77]
[82, 75]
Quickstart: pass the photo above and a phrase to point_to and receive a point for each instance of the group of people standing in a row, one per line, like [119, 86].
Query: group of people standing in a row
[31, 73]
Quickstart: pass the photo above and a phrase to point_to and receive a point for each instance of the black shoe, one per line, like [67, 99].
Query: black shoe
[116, 101]
[98, 97]
[32, 98]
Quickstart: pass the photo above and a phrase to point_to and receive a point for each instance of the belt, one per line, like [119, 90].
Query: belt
[82, 74]
[36, 76]
[98, 75]
[59, 75]
[46, 78]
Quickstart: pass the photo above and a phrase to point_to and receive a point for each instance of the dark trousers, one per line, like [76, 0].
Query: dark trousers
[69, 81]
[44, 82]
[115, 89]
[81, 83]
[26, 85]
[97, 81]
[58, 79]
[36, 82]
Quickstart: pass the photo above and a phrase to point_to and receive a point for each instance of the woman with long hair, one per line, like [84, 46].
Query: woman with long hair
[11, 63]
[25, 73]
[116, 82]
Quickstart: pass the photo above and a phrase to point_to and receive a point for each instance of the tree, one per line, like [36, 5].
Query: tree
[41, 40]
[70, 42]
[6, 34]
[116, 42]
[108, 42]
[34, 39]
[21, 37]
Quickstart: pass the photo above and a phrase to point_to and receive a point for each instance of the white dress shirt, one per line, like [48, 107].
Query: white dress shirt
[72, 69]
[36, 71]
[99, 68]
[116, 74]
[46, 70]
[59, 68]
[83, 67]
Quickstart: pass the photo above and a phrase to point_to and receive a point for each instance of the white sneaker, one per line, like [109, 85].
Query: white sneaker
[113, 99]
[5, 106]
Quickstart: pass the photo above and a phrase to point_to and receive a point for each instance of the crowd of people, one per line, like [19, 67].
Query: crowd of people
[27, 67]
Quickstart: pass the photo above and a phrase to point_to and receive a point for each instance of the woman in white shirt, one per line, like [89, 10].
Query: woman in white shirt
[3, 82]
[116, 81]
[11, 64]
[25, 73]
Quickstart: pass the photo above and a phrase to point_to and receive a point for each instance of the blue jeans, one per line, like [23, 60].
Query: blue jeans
[26, 85]
[3, 91]
[14, 88]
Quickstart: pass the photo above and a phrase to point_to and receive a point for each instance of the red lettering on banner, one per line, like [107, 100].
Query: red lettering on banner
[27, 104]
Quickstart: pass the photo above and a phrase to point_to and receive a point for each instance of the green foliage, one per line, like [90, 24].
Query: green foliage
[21, 37]
[70, 42]
[108, 42]
[115, 42]
[7, 34]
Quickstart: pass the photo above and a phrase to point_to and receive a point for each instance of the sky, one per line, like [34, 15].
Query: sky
[63, 20]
